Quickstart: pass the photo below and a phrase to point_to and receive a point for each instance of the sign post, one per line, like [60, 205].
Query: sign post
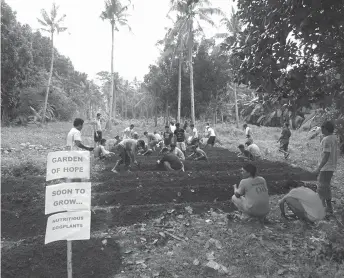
[74, 198]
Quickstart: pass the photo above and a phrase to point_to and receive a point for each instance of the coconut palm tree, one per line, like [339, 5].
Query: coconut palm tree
[115, 12]
[189, 15]
[51, 25]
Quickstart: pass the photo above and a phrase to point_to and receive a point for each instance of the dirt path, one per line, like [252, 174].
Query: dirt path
[119, 201]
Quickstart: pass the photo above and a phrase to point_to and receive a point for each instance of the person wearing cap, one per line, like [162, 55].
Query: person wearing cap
[303, 202]
[128, 132]
[198, 154]
[180, 136]
[170, 162]
[127, 150]
[251, 197]
[168, 135]
[177, 152]
[211, 136]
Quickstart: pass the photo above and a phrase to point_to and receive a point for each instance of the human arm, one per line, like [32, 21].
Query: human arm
[282, 207]
[81, 146]
[324, 160]
[239, 190]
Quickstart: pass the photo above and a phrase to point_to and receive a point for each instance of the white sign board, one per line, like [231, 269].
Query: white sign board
[73, 225]
[68, 164]
[68, 197]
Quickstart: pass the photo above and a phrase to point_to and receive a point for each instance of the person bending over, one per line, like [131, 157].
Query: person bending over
[170, 161]
[176, 151]
[254, 150]
[127, 150]
[152, 140]
[198, 154]
[100, 151]
[251, 196]
[245, 153]
[127, 133]
[303, 202]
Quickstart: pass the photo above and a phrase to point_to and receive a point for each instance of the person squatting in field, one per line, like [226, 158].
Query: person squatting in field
[303, 202]
[197, 153]
[251, 197]
[327, 165]
[128, 132]
[176, 151]
[127, 150]
[159, 138]
[284, 140]
[245, 153]
[100, 151]
[180, 137]
[74, 137]
[254, 150]
[170, 162]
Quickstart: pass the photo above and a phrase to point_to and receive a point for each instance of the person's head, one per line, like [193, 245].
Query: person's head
[172, 123]
[291, 184]
[244, 126]
[164, 150]
[241, 147]
[192, 125]
[167, 128]
[207, 126]
[249, 170]
[140, 144]
[173, 146]
[131, 126]
[135, 135]
[102, 142]
[78, 123]
[177, 125]
[145, 133]
[155, 132]
[327, 128]
[117, 137]
[286, 124]
[248, 142]
[98, 115]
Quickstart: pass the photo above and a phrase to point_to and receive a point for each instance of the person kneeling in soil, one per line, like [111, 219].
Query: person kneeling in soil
[100, 151]
[251, 197]
[198, 154]
[244, 153]
[303, 202]
[254, 150]
[127, 150]
[170, 161]
[176, 151]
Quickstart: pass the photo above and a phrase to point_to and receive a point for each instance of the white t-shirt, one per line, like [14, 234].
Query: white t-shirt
[248, 131]
[173, 128]
[194, 133]
[158, 136]
[211, 132]
[98, 125]
[256, 194]
[329, 144]
[127, 133]
[309, 200]
[179, 153]
[73, 135]
[254, 150]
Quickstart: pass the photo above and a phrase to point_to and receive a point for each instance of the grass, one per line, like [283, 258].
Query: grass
[248, 249]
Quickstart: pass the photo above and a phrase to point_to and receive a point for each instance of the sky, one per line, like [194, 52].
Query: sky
[87, 42]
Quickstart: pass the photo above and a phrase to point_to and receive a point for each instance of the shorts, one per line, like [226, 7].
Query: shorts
[98, 135]
[324, 185]
[211, 140]
[181, 146]
[242, 205]
[284, 146]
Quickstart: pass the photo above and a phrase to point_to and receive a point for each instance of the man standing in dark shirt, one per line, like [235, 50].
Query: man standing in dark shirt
[284, 140]
[170, 161]
[180, 135]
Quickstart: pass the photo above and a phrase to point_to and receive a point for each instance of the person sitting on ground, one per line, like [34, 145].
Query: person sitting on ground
[244, 153]
[177, 152]
[254, 150]
[211, 136]
[180, 135]
[248, 132]
[152, 141]
[251, 197]
[198, 154]
[168, 135]
[128, 132]
[170, 161]
[127, 150]
[284, 140]
[74, 137]
[194, 138]
[303, 202]
[100, 151]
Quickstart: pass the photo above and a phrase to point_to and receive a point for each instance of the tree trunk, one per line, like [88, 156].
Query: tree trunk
[179, 85]
[126, 106]
[236, 106]
[49, 80]
[156, 109]
[191, 73]
[112, 78]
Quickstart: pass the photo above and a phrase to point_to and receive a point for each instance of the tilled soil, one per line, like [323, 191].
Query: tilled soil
[119, 200]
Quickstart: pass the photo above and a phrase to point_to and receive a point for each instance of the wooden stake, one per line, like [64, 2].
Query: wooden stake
[69, 259]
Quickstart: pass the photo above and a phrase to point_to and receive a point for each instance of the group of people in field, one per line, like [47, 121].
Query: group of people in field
[251, 196]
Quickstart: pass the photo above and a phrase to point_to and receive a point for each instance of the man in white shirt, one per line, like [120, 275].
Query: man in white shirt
[327, 165]
[172, 127]
[254, 150]
[74, 136]
[248, 132]
[176, 151]
[127, 133]
[100, 151]
[194, 138]
[211, 136]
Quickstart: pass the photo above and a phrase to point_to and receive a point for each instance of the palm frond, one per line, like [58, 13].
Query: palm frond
[61, 19]
[45, 30]
[211, 11]
[46, 17]
[53, 12]
[206, 19]
[60, 29]
[42, 22]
